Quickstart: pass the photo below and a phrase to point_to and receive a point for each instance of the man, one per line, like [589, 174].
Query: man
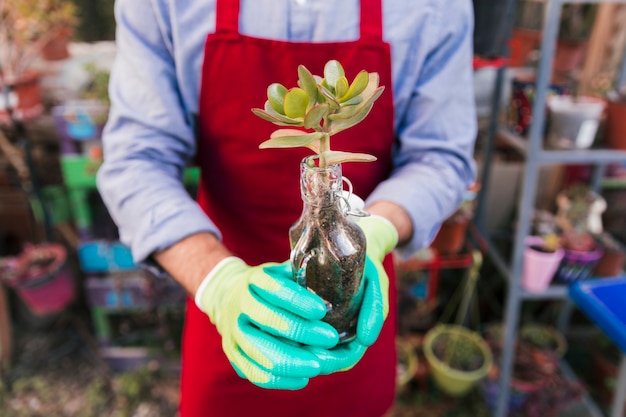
[254, 343]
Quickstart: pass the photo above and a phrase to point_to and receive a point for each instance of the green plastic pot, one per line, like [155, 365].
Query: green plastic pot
[456, 382]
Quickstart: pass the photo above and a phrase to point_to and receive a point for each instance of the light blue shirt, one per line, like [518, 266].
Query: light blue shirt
[149, 138]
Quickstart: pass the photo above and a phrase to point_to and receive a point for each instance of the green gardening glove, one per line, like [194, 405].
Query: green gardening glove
[381, 238]
[266, 321]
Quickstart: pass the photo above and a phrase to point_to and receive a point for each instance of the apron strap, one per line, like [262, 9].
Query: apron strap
[372, 20]
[227, 18]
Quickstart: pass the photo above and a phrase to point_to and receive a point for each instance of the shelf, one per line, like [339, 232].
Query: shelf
[568, 156]
[556, 291]
[586, 399]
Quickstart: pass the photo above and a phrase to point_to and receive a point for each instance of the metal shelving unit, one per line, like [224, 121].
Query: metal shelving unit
[536, 157]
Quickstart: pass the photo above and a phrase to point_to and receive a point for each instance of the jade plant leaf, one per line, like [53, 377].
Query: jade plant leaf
[336, 157]
[276, 96]
[296, 103]
[271, 115]
[333, 71]
[315, 115]
[341, 87]
[290, 138]
[324, 105]
[307, 82]
[353, 111]
[358, 85]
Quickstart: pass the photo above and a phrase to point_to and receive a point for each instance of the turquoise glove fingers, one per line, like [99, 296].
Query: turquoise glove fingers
[375, 306]
[280, 357]
[342, 358]
[277, 288]
[248, 369]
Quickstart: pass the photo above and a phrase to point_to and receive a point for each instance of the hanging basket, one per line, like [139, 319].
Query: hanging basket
[461, 342]
[41, 278]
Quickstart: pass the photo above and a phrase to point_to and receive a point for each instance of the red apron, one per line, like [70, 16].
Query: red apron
[253, 196]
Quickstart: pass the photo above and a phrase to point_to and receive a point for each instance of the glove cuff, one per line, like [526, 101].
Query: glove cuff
[384, 231]
[217, 269]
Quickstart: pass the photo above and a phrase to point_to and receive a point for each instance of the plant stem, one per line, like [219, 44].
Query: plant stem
[324, 147]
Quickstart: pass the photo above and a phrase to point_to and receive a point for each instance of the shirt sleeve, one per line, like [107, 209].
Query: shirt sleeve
[433, 162]
[149, 138]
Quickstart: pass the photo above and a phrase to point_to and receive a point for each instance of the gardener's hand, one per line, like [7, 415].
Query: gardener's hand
[266, 321]
[381, 237]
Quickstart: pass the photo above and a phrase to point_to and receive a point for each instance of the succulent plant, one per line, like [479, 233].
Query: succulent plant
[319, 108]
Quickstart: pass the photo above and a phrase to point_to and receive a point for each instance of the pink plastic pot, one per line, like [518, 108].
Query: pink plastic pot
[539, 267]
[42, 279]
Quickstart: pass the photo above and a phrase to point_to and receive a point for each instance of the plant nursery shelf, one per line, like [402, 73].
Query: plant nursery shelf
[568, 156]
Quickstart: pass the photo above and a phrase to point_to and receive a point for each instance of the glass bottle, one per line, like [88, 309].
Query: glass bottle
[327, 248]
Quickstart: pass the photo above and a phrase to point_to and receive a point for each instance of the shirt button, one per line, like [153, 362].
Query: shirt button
[301, 2]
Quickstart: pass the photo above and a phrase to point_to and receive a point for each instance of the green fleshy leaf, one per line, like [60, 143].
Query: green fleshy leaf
[290, 138]
[342, 86]
[329, 97]
[353, 101]
[327, 86]
[352, 111]
[333, 71]
[276, 96]
[271, 115]
[296, 102]
[358, 85]
[315, 115]
[343, 124]
[308, 84]
[337, 157]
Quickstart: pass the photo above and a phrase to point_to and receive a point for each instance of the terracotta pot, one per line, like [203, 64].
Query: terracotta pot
[451, 236]
[24, 98]
[569, 56]
[612, 262]
[57, 48]
[521, 44]
[616, 125]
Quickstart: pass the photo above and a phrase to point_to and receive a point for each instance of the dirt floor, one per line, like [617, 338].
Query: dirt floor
[56, 372]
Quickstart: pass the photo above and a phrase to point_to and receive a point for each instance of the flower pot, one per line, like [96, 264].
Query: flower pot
[56, 49]
[522, 100]
[569, 56]
[42, 279]
[573, 122]
[450, 379]
[519, 393]
[539, 266]
[328, 249]
[616, 125]
[451, 236]
[577, 265]
[613, 258]
[24, 98]
[522, 43]
[544, 338]
[407, 362]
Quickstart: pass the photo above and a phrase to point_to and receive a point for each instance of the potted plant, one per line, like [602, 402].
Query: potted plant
[580, 208]
[28, 26]
[542, 257]
[615, 135]
[526, 33]
[544, 337]
[458, 357]
[575, 29]
[581, 253]
[613, 258]
[538, 388]
[310, 114]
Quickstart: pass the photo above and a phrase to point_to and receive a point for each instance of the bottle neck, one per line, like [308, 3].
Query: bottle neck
[320, 187]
